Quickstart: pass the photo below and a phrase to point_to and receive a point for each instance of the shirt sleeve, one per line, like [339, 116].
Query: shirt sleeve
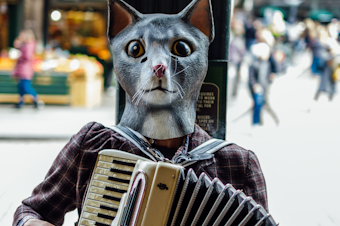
[255, 184]
[56, 195]
[25, 219]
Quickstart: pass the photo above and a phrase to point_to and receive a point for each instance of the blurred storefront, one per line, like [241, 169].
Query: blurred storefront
[79, 26]
[3, 25]
[72, 60]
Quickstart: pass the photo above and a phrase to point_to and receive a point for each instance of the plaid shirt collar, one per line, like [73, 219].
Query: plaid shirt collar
[183, 149]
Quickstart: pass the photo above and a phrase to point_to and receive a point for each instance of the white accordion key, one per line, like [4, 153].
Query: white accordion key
[110, 180]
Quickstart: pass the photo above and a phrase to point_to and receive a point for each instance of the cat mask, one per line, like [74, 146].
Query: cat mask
[160, 61]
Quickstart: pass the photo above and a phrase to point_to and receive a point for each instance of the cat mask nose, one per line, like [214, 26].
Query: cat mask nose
[159, 70]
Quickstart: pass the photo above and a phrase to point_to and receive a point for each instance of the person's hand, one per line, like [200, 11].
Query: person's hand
[36, 222]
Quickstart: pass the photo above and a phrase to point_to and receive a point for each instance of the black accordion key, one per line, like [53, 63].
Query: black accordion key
[118, 180]
[108, 208]
[100, 224]
[114, 170]
[108, 188]
[105, 216]
[111, 198]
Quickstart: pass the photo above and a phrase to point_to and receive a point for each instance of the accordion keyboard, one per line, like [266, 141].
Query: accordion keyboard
[169, 196]
[109, 181]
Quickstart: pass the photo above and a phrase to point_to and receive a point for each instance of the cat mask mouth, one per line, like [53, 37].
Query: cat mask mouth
[160, 61]
[160, 89]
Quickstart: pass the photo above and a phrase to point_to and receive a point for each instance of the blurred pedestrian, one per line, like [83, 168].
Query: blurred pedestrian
[326, 70]
[251, 28]
[261, 74]
[327, 84]
[23, 71]
[314, 43]
[237, 50]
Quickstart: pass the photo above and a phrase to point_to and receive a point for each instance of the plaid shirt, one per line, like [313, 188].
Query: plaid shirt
[66, 182]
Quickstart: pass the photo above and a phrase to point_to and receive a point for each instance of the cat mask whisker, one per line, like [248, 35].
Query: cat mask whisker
[180, 90]
[139, 91]
[180, 71]
[140, 97]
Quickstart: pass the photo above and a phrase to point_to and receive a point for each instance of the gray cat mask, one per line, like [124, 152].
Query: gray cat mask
[160, 61]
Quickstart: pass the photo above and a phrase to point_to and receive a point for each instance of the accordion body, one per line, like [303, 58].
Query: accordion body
[127, 189]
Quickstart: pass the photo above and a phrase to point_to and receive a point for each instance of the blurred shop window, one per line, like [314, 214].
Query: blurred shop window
[3, 25]
[81, 32]
[76, 30]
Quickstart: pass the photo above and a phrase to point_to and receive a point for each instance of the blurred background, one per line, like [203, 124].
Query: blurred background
[282, 96]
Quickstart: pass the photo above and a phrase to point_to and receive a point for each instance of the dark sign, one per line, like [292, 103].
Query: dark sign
[212, 102]
[207, 108]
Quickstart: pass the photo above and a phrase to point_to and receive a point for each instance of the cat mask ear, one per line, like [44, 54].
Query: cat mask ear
[199, 14]
[120, 16]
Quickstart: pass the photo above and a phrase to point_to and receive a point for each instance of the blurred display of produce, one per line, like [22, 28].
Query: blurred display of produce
[56, 61]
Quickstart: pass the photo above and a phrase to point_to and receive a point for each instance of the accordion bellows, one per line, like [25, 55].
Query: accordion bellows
[127, 189]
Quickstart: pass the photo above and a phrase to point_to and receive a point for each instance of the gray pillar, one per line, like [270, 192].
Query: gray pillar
[34, 17]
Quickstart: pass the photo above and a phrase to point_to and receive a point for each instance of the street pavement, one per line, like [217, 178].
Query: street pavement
[299, 156]
[53, 121]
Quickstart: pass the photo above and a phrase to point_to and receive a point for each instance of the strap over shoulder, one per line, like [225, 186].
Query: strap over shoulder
[202, 152]
[140, 141]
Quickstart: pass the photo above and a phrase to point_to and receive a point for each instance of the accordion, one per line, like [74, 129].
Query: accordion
[127, 189]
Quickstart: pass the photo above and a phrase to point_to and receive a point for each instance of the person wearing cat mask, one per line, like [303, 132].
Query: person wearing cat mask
[160, 61]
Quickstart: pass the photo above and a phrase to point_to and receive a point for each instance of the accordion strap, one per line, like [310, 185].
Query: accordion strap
[140, 141]
[202, 152]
